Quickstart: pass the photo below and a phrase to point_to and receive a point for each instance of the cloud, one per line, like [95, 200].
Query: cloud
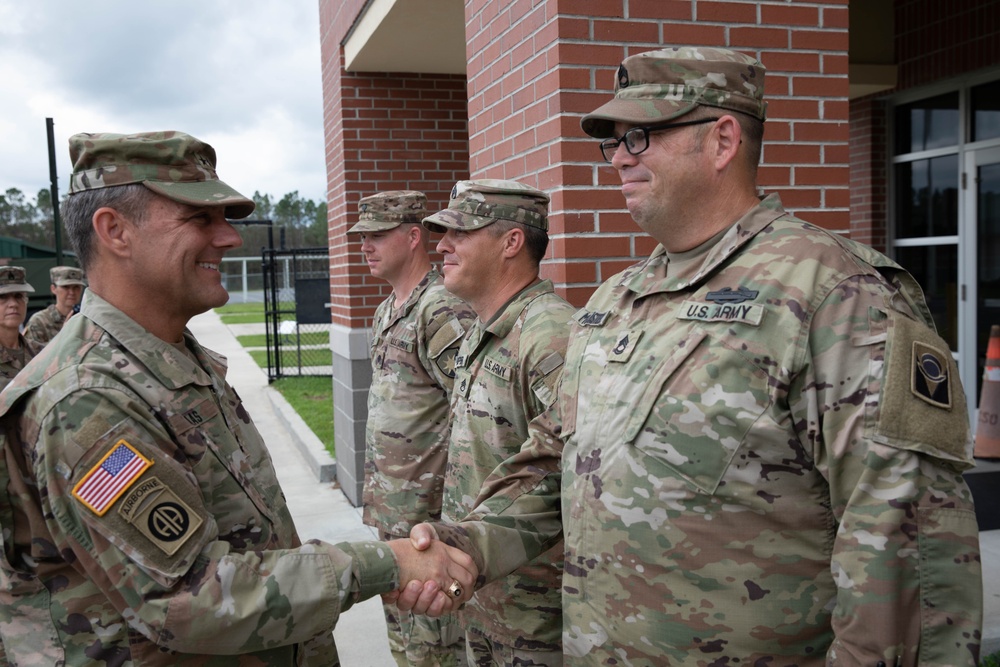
[241, 75]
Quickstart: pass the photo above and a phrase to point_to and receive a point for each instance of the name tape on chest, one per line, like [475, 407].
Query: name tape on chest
[744, 313]
[502, 371]
[404, 344]
[110, 477]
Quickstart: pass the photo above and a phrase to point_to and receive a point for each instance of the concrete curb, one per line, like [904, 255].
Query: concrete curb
[315, 454]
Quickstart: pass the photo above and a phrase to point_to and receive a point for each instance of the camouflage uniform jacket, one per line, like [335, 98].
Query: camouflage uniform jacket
[45, 324]
[762, 464]
[12, 361]
[413, 367]
[178, 548]
[508, 369]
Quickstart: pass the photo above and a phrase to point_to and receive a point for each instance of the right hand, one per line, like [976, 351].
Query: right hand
[427, 568]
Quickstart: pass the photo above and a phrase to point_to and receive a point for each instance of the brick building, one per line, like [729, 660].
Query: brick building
[883, 124]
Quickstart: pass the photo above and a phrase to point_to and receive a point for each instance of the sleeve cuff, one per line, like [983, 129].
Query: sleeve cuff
[374, 570]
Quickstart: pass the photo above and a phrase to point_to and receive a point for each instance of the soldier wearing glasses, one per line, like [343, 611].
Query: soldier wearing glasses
[756, 453]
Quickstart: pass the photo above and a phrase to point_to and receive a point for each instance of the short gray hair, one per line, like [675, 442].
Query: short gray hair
[132, 201]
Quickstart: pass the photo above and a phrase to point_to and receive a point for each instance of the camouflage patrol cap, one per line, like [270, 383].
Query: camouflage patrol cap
[172, 164]
[386, 210]
[657, 86]
[12, 280]
[476, 204]
[61, 276]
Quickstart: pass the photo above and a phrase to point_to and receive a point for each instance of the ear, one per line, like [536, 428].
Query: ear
[512, 242]
[414, 236]
[113, 232]
[728, 136]
[52, 288]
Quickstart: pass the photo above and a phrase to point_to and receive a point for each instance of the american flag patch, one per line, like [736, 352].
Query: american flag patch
[110, 478]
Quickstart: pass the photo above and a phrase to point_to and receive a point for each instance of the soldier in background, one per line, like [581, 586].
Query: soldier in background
[15, 349]
[143, 520]
[415, 337]
[757, 449]
[67, 286]
[496, 234]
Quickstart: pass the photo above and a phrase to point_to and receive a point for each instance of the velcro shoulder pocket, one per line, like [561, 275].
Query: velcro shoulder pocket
[544, 387]
[449, 335]
[922, 404]
[127, 490]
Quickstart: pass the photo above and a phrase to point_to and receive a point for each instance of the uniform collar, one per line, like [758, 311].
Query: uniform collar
[651, 276]
[171, 367]
[504, 319]
[397, 314]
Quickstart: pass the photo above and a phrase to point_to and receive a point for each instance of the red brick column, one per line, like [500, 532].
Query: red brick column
[535, 68]
[869, 172]
[383, 131]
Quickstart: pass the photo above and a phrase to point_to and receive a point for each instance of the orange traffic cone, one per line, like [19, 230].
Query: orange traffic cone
[988, 430]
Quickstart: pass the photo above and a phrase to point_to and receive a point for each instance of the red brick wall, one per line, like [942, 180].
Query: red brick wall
[936, 40]
[383, 132]
[536, 67]
[869, 172]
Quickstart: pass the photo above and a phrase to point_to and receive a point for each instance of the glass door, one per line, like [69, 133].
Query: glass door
[982, 265]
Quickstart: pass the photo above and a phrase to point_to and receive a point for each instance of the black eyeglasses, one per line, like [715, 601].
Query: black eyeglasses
[636, 139]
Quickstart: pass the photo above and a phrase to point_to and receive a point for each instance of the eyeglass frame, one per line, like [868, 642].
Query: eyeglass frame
[646, 130]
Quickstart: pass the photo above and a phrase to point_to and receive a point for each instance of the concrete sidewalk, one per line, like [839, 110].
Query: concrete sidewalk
[321, 510]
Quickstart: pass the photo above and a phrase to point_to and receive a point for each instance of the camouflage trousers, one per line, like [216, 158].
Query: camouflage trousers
[420, 641]
[481, 651]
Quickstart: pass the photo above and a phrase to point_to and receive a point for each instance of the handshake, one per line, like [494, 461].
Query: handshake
[434, 578]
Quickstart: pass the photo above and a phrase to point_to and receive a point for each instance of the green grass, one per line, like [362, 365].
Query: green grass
[253, 340]
[241, 313]
[243, 318]
[290, 358]
[231, 308]
[312, 399]
[992, 660]
[305, 338]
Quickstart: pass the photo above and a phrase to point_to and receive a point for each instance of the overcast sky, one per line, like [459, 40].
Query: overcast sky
[243, 75]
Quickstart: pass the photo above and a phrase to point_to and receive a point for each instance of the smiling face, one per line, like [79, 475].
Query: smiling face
[663, 185]
[471, 258]
[175, 259]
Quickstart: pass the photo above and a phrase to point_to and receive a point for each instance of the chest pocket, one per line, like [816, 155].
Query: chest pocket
[695, 411]
[206, 440]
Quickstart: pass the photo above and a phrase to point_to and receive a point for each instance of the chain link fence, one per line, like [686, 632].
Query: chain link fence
[296, 290]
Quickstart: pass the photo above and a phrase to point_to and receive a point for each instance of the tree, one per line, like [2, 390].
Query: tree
[25, 220]
[295, 222]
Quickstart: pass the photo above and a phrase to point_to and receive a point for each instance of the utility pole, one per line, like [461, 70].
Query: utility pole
[54, 190]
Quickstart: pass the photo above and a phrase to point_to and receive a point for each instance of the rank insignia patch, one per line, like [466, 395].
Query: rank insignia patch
[623, 347]
[622, 77]
[110, 478]
[929, 379]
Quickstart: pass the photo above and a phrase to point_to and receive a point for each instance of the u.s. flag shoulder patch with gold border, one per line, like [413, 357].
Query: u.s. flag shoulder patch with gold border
[110, 477]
